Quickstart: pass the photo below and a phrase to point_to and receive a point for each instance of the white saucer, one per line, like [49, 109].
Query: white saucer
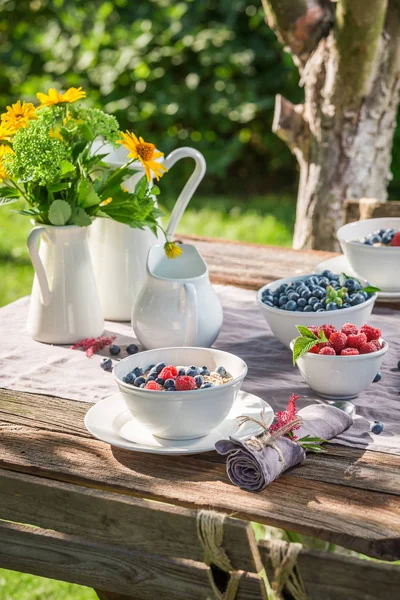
[340, 264]
[110, 421]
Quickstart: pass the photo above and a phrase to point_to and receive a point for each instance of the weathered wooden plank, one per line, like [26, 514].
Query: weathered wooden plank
[331, 576]
[370, 208]
[252, 265]
[143, 576]
[365, 521]
[118, 520]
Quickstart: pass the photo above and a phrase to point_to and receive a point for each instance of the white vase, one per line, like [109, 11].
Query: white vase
[119, 253]
[65, 306]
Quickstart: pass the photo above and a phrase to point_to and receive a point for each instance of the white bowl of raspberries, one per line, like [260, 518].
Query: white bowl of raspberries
[343, 366]
[180, 393]
[372, 247]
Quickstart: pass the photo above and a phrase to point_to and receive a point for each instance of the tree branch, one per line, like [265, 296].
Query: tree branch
[300, 24]
[358, 28]
[290, 125]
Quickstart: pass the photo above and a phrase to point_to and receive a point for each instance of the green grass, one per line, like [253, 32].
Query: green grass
[19, 586]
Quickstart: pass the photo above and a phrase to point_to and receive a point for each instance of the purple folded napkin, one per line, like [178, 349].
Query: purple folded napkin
[252, 466]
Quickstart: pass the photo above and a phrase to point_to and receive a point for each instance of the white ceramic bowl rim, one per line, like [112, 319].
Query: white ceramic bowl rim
[189, 393]
[294, 314]
[358, 357]
[350, 226]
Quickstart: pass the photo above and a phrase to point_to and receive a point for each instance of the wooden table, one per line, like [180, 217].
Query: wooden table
[75, 492]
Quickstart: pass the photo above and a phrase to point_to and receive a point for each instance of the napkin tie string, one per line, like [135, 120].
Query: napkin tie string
[283, 557]
[210, 531]
[266, 439]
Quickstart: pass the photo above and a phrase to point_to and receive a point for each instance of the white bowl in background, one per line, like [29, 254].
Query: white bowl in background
[283, 322]
[340, 377]
[181, 415]
[379, 264]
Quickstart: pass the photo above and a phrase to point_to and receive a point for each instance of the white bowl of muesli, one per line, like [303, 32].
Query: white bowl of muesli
[180, 393]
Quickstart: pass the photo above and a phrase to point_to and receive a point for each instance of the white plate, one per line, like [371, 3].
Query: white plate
[111, 422]
[340, 264]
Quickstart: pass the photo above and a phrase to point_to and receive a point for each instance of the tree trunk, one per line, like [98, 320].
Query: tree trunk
[342, 135]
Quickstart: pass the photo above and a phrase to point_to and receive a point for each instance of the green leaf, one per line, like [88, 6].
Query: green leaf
[371, 289]
[141, 187]
[66, 167]
[305, 332]
[86, 132]
[87, 195]
[322, 336]
[155, 190]
[58, 187]
[301, 346]
[59, 212]
[80, 217]
[7, 191]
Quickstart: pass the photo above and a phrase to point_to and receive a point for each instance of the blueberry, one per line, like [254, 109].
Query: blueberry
[114, 350]
[207, 384]
[352, 285]
[204, 371]
[324, 281]
[192, 371]
[367, 242]
[319, 293]
[307, 294]
[142, 385]
[291, 305]
[137, 371]
[386, 238]
[376, 427]
[308, 308]
[398, 365]
[282, 300]
[169, 383]
[301, 302]
[130, 378]
[294, 296]
[152, 376]
[199, 380]
[171, 389]
[275, 300]
[221, 371]
[267, 292]
[321, 310]
[328, 274]
[150, 367]
[364, 294]
[159, 367]
[300, 309]
[106, 364]
[139, 381]
[160, 380]
[357, 299]
[334, 277]
[181, 372]
[313, 300]
[346, 305]
[132, 349]
[268, 303]
[375, 239]
[331, 306]
[317, 306]
[377, 377]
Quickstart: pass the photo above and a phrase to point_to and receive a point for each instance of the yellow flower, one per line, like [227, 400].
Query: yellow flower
[5, 132]
[18, 115]
[5, 150]
[54, 97]
[3, 173]
[145, 152]
[172, 250]
[55, 133]
[105, 202]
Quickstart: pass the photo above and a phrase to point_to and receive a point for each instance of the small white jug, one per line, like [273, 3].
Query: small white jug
[177, 305]
[65, 306]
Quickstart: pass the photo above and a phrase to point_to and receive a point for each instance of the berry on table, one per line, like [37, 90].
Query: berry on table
[349, 329]
[377, 377]
[114, 350]
[376, 427]
[338, 341]
[349, 352]
[398, 365]
[327, 351]
[152, 385]
[356, 340]
[169, 372]
[132, 349]
[106, 364]
[185, 383]
[372, 333]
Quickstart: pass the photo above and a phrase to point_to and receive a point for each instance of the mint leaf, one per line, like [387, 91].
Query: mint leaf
[141, 187]
[155, 190]
[305, 332]
[322, 336]
[301, 346]
[66, 167]
[87, 195]
[59, 212]
[80, 217]
[371, 289]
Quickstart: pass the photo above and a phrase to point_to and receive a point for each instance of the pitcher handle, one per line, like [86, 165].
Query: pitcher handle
[190, 186]
[33, 237]
[191, 314]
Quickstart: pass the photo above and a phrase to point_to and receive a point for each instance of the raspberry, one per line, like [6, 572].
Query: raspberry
[327, 351]
[367, 348]
[152, 385]
[349, 329]
[328, 330]
[349, 352]
[323, 345]
[314, 349]
[371, 332]
[314, 329]
[376, 344]
[338, 341]
[184, 382]
[356, 341]
[169, 372]
[396, 239]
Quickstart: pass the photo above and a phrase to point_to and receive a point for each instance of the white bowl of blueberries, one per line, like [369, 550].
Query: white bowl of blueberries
[180, 393]
[372, 247]
[314, 299]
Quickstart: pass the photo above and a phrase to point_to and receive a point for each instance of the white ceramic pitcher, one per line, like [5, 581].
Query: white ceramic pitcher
[65, 305]
[119, 253]
[177, 305]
